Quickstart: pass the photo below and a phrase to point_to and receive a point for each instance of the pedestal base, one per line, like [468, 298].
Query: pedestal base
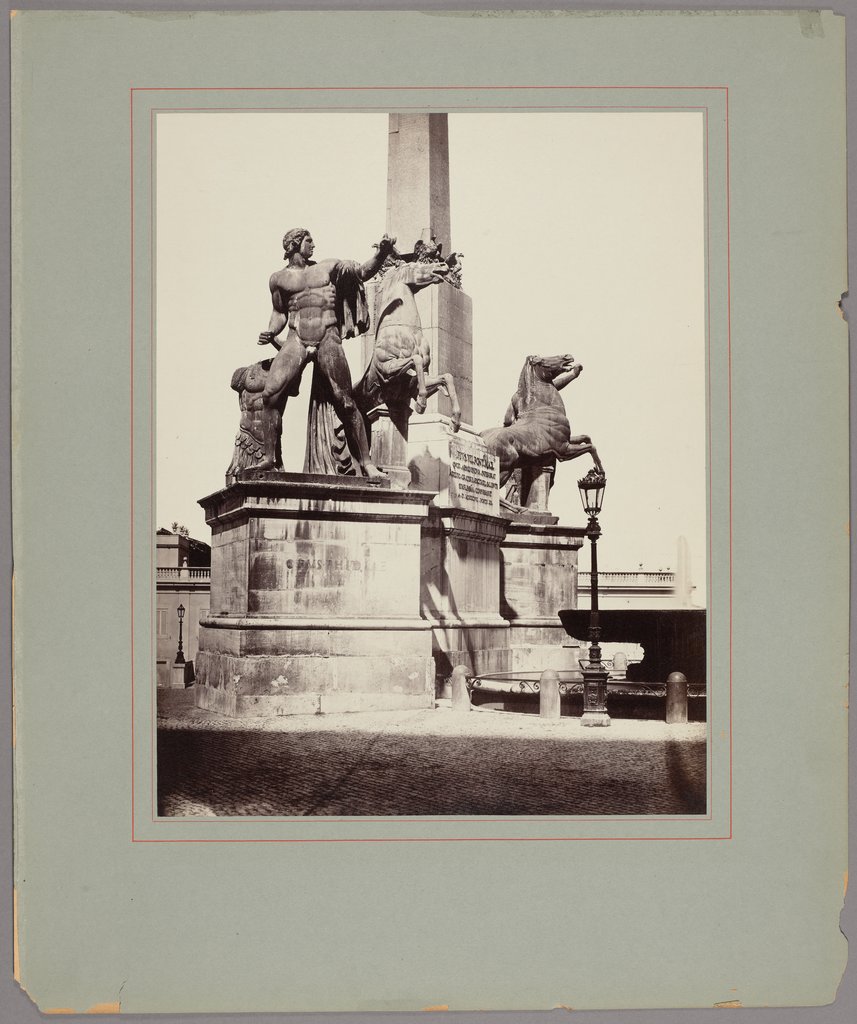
[595, 718]
[286, 670]
[534, 648]
[459, 589]
[595, 678]
[390, 445]
[538, 576]
[315, 598]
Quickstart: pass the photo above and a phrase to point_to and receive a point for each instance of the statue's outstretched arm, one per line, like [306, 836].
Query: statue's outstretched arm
[383, 249]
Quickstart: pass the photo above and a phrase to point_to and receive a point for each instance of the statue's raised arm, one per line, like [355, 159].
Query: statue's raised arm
[386, 247]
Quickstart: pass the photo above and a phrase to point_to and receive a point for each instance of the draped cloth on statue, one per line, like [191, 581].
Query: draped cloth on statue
[326, 448]
[352, 309]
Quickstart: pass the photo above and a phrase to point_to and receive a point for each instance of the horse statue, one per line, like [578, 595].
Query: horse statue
[398, 371]
[536, 433]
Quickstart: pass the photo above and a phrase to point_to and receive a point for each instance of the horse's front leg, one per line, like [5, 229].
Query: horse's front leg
[446, 382]
[579, 445]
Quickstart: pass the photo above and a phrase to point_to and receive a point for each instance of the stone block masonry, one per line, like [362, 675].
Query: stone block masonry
[315, 602]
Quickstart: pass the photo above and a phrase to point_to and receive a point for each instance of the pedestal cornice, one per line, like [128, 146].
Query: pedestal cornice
[298, 495]
[525, 533]
[460, 522]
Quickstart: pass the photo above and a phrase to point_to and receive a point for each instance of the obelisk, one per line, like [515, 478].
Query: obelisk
[418, 178]
[418, 207]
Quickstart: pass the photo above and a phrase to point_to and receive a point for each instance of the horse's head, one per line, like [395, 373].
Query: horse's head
[425, 274]
[414, 275]
[548, 368]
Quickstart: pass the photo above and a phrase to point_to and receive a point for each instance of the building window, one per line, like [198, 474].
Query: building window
[162, 622]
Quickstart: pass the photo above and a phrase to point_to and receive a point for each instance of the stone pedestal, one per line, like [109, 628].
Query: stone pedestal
[315, 598]
[535, 486]
[538, 578]
[460, 590]
[389, 444]
[595, 678]
[457, 466]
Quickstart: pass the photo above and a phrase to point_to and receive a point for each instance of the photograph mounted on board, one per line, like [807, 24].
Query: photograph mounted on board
[380, 339]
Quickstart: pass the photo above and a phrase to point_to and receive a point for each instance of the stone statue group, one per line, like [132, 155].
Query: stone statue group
[316, 306]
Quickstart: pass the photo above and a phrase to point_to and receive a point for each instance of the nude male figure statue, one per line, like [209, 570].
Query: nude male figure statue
[320, 303]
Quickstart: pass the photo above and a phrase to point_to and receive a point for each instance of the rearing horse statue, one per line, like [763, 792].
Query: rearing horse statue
[536, 431]
[397, 373]
[398, 370]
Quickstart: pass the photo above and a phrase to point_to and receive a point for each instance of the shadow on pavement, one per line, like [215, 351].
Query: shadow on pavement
[203, 773]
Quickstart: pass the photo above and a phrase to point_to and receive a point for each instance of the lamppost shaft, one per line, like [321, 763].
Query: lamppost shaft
[594, 625]
[594, 675]
[180, 653]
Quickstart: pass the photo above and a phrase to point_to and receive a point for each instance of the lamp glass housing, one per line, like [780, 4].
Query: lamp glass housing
[592, 488]
[180, 611]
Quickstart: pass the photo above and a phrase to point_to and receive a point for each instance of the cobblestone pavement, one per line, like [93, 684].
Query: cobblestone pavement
[423, 762]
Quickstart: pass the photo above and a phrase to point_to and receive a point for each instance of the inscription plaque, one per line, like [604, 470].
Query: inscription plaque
[474, 476]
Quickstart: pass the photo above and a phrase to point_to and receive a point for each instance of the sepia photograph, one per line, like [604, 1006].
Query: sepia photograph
[430, 463]
[429, 460]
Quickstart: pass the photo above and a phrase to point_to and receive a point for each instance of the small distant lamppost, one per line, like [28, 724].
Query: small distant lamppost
[594, 674]
[179, 655]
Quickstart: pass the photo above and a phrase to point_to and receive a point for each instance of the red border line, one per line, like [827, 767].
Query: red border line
[359, 819]
[709, 629]
[152, 386]
[415, 88]
[339, 108]
[332, 821]
[131, 465]
[729, 392]
[466, 839]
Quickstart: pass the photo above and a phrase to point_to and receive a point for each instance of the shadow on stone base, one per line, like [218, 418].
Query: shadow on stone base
[358, 670]
[226, 702]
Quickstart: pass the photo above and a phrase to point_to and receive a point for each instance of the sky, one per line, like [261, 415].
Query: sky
[582, 232]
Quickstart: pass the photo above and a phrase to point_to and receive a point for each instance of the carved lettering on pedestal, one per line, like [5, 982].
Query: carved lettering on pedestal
[473, 477]
[287, 567]
[330, 564]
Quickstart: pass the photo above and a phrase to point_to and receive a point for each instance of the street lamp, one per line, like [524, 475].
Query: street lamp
[179, 656]
[594, 674]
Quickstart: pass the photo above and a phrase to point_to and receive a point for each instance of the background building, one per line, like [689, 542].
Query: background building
[183, 578]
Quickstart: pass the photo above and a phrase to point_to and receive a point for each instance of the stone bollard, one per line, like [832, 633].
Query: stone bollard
[676, 698]
[460, 693]
[549, 694]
